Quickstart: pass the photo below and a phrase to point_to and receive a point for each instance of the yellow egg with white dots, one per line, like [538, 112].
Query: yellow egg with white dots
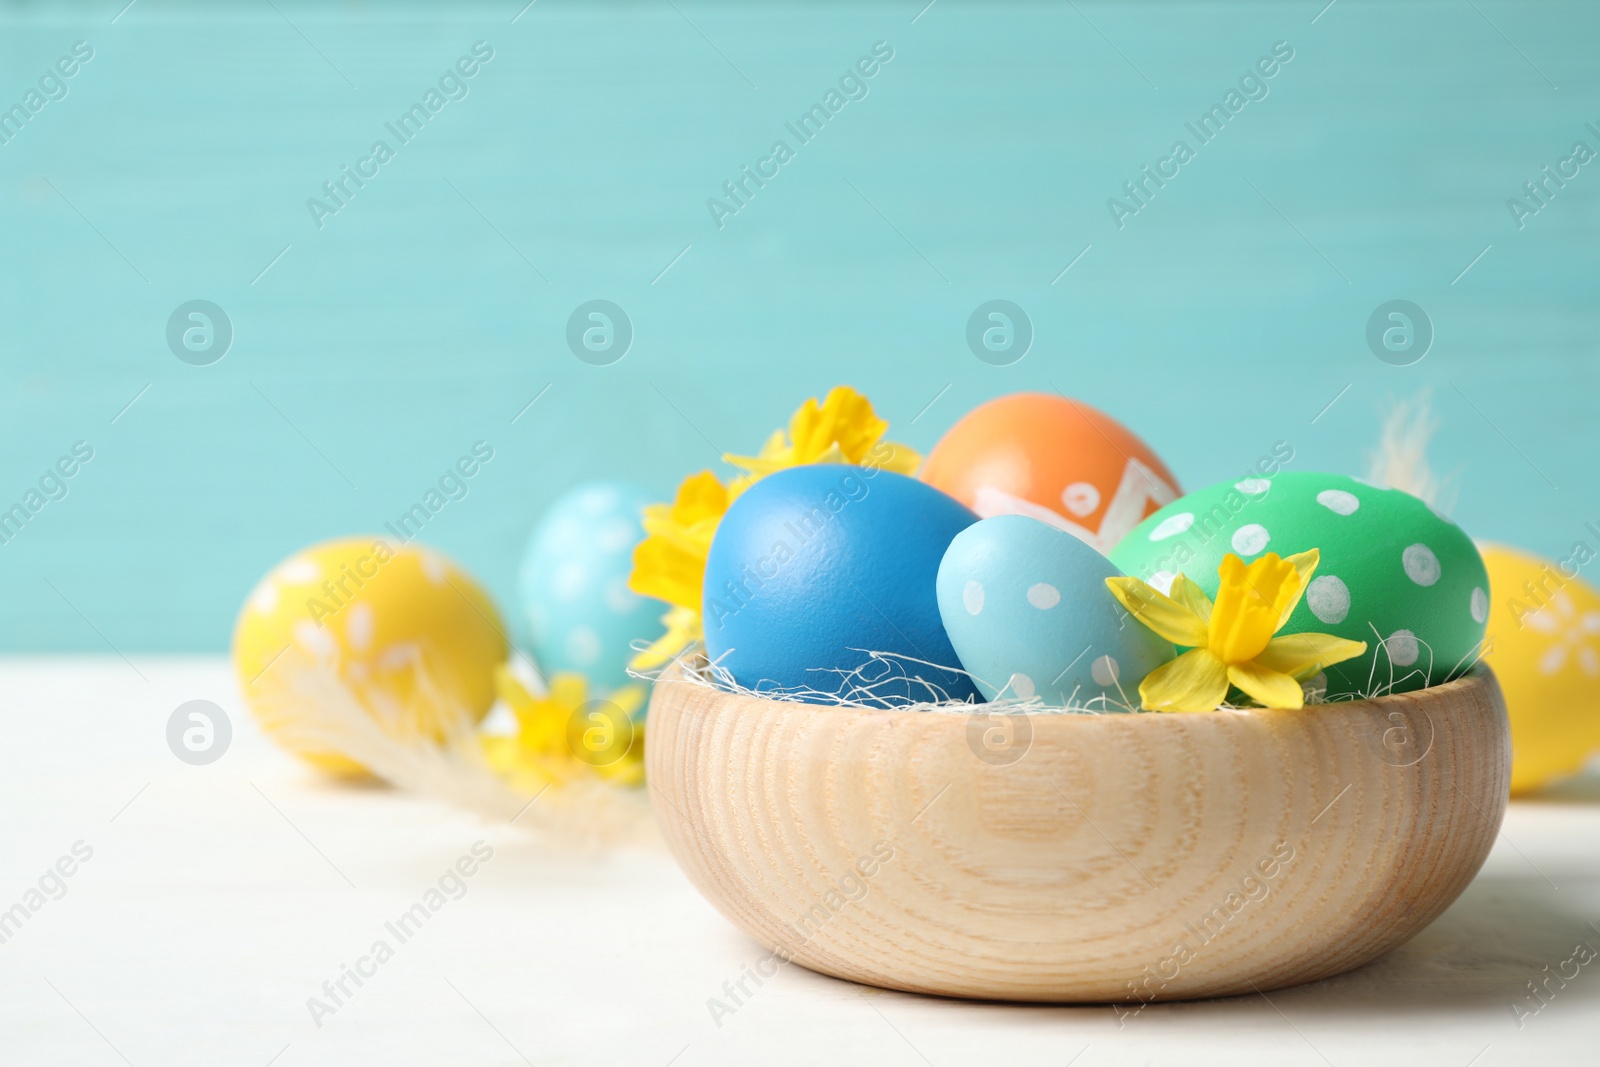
[398, 631]
[1543, 642]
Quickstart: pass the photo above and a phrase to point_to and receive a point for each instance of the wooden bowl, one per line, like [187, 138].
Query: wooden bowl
[1080, 857]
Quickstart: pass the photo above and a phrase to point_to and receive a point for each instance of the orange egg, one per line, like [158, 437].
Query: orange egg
[1053, 459]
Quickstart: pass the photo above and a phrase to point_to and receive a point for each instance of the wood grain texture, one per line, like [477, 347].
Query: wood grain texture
[1107, 858]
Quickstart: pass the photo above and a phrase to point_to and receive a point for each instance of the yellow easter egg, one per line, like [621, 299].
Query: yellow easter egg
[362, 626]
[1543, 642]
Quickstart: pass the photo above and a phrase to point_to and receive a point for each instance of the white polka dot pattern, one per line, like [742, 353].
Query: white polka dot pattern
[1328, 598]
[1421, 565]
[1172, 526]
[1402, 648]
[1338, 501]
[1043, 595]
[1251, 539]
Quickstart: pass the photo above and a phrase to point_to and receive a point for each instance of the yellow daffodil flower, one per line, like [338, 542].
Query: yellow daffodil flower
[564, 735]
[1231, 640]
[670, 563]
[842, 429]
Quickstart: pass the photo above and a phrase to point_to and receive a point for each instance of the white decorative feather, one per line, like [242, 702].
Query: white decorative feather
[1401, 459]
[325, 712]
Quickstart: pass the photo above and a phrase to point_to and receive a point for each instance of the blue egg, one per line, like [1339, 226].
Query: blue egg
[573, 585]
[813, 566]
[1027, 609]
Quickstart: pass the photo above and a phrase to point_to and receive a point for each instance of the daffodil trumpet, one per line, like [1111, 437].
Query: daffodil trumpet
[1230, 640]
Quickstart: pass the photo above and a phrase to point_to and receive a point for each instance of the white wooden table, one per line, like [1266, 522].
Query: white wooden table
[218, 899]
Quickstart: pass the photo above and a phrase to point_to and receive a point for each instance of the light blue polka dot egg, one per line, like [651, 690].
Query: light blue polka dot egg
[1028, 612]
[573, 585]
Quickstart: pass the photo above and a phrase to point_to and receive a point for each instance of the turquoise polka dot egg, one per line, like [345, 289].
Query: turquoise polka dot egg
[1028, 613]
[573, 585]
[1393, 572]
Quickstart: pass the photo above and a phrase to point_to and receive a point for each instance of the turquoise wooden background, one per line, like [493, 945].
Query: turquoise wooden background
[1224, 316]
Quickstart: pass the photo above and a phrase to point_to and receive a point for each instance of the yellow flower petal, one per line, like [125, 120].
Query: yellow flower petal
[666, 572]
[1195, 681]
[775, 446]
[841, 429]
[670, 563]
[1266, 687]
[540, 754]
[629, 699]
[627, 771]
[1303, 655]
[1305, 565]
[1191, 596]
[1250, 605]
[700, 497]
[683, 630]
[845, 418]
[507, 687]
[1158, 612]
[889, 456]
[568, 690]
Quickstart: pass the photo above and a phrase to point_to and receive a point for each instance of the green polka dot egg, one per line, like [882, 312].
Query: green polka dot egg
[1393, 573]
